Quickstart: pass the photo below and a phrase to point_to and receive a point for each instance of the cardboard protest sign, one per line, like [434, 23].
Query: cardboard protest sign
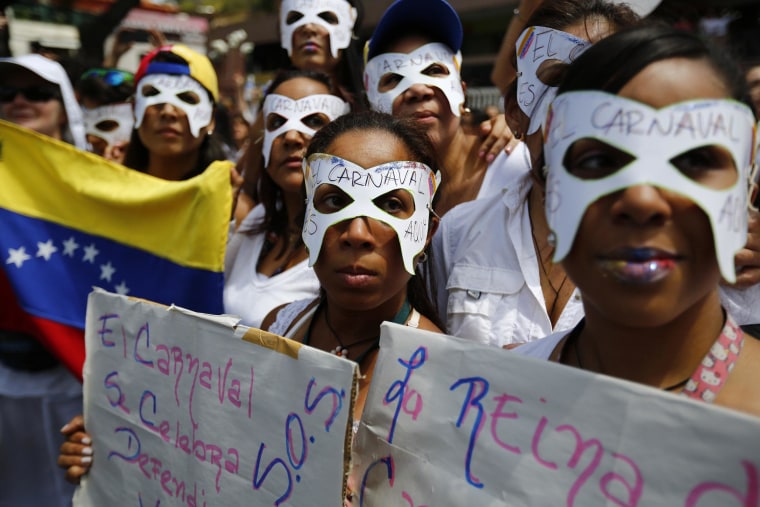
[449, 422]
[187, 410]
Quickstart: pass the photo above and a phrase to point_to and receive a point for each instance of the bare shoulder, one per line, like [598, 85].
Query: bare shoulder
[428, 325]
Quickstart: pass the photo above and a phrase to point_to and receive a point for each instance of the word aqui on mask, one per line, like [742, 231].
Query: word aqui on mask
[411, 67]
[182, 92]
[335, 16]
[112, 123]
[654, 138]
[295, 113]
[363, 186]
[539, 49]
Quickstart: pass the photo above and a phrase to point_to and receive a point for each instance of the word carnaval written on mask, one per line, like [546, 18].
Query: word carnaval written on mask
[494, 441]
[422, 58]
[410, 175]
[696, 124]
[181, 428]
[311, 104]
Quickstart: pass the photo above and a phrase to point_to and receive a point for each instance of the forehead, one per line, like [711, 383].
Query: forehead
[369, 148]
[300, 87]
[675, 80]
[408, 43]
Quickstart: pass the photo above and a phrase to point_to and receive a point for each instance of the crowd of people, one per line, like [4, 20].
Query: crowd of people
[542, 232]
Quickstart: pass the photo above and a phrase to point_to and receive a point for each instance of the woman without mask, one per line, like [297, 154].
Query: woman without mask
[37, 393]
[649, 216]
[266, 264]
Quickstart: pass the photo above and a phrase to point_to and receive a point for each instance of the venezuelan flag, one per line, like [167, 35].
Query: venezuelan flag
[70, 220]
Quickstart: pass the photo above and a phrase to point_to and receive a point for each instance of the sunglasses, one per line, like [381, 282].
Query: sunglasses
[41, 93]
[112, 77]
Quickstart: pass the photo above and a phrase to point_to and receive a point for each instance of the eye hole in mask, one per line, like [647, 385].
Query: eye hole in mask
[191, 98]
[329, 16]
[330, 199]
[292, 17]
[149, 91]
[107, 125]
[711, 166]
[314, 121]
[590, 159]
[399, 203]
[388, 82]
[551, 72]
[275, 121]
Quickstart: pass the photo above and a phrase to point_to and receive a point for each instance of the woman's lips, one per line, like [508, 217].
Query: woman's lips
[356, 276]
[310, 47]
[639, 265]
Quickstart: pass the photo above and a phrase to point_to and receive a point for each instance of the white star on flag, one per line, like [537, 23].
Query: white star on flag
[122, 289]
[106, 271]
[46, 249]
[69, 246]
[89, 253]
[17, 256]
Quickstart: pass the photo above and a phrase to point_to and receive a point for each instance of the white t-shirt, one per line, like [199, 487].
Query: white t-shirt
[488, 287]
[251, 295]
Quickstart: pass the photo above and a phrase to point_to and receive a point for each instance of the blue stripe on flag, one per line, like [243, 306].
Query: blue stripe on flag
[53, 268]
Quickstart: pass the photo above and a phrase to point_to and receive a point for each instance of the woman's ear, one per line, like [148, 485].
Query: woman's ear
[435, 220]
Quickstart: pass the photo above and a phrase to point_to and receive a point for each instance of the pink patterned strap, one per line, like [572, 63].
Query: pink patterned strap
[712, 373]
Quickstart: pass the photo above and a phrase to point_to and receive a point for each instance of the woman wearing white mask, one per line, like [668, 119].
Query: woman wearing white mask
[413, 71]
[648, 217]
[266, 260]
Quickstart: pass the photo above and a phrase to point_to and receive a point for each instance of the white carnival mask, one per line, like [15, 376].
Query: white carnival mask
[364, 186]
[311, 11]
[112, 123]
[183, 92]
[410, 68]
[535, 46]
[654, 137]
[295, 112]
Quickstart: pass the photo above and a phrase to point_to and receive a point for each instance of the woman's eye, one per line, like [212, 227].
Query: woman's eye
[315, 121]
[330, 17]
[191, 98]
[292, 17]
[436, 69]
[712, 166]
[592, 160]
[275, 121]
[388, 82]
[149, 91]
[397, 202]
[329, 199]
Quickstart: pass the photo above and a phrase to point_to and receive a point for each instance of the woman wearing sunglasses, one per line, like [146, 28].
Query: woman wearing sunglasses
[37, 393]
[36, 93]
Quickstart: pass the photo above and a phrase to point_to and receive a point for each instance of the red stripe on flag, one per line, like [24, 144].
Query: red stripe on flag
[65, 342]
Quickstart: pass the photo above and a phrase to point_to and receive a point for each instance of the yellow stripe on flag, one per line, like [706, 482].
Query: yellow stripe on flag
[183, 221]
